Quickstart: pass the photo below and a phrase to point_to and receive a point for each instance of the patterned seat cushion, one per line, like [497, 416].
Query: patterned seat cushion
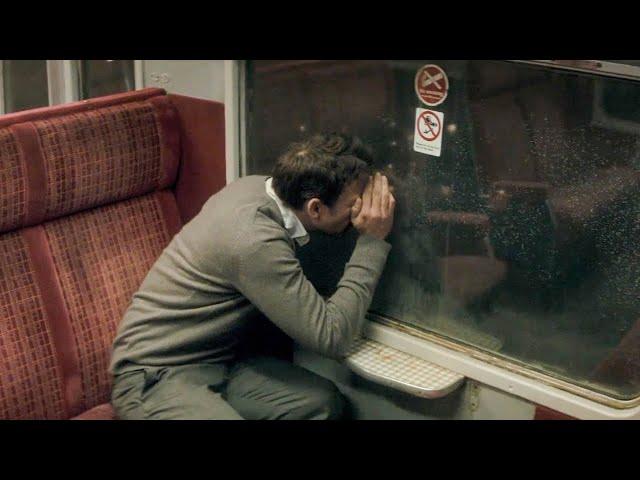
[101, 257]
[13, 203]
[102, 412]
[85, 211]
[30, 382]
[57, 166]
[95, 158]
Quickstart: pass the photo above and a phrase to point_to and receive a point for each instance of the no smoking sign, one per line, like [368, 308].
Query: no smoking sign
[427, 137]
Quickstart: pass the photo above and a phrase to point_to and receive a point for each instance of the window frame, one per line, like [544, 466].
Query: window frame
[234, 119]
[503, 374]
[596, 67]
[63, 81]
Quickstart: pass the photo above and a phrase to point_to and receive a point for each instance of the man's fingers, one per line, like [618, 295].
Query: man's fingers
[357, 207]
[385, 196]
[376, 203]
[367, 196]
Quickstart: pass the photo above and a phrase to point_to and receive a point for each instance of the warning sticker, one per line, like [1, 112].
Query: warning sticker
[432, 85]
[428, 135]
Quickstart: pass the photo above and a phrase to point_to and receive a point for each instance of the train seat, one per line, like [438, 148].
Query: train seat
[92, 192]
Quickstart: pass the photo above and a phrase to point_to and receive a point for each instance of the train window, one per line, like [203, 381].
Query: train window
[104, 77]
[520, 237]
[24, 84]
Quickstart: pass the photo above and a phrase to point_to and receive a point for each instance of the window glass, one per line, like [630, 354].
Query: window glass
[521, 238]
[25, 84]
[104, 77]
[621, 102]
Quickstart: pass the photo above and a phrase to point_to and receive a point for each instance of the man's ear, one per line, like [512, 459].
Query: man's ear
[312, 208]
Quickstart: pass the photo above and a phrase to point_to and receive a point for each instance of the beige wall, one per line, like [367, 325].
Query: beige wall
[195, 78]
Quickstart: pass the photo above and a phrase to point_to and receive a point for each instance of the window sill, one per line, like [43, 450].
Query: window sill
[513, 383]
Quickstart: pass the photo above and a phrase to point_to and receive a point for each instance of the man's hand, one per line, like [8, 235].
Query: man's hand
[373, 212]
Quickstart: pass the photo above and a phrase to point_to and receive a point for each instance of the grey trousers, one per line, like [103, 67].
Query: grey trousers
[261, 388]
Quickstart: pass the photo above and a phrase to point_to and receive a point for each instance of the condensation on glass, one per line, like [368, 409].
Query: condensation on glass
[105, 77]
[25, 84]
[521, 239]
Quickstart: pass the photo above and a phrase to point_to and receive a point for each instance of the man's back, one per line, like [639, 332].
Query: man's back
[171, 318]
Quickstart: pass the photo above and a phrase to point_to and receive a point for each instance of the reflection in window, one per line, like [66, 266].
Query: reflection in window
[105, 77]
[522, 239]
[25, 84]
[621, 101]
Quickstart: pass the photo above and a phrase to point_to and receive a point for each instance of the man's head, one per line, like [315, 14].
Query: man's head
[321, 178]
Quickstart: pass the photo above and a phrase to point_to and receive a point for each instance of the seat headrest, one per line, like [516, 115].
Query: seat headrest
[71, 162]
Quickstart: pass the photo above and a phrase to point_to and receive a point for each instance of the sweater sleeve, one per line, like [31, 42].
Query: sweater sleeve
[271, 278]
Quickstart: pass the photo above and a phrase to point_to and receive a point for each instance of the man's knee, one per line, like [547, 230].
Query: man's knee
[180, 393]
[125, 396]
[272, 389]
[324, 402]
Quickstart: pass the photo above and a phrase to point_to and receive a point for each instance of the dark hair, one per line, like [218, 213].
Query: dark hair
[320, 167]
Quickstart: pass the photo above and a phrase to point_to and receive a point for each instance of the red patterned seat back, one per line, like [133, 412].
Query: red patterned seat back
[86, 207]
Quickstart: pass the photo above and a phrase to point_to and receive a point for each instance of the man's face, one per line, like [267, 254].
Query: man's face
[337, 219]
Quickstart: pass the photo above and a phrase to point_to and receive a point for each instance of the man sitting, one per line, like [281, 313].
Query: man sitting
[178, 353]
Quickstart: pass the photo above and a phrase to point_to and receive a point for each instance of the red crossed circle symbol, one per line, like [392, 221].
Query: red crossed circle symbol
[432, 85]
[428, 126]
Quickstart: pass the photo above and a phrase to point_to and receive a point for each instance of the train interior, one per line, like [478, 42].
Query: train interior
[515, 246]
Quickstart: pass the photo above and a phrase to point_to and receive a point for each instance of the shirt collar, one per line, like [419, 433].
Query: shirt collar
[292, 223]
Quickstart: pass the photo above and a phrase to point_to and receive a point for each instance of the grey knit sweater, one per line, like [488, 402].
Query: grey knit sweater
[231, 260]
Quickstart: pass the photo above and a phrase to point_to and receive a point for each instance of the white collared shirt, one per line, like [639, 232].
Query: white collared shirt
[292, 223]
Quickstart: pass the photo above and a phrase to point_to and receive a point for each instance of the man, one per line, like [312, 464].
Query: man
[177, 351]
